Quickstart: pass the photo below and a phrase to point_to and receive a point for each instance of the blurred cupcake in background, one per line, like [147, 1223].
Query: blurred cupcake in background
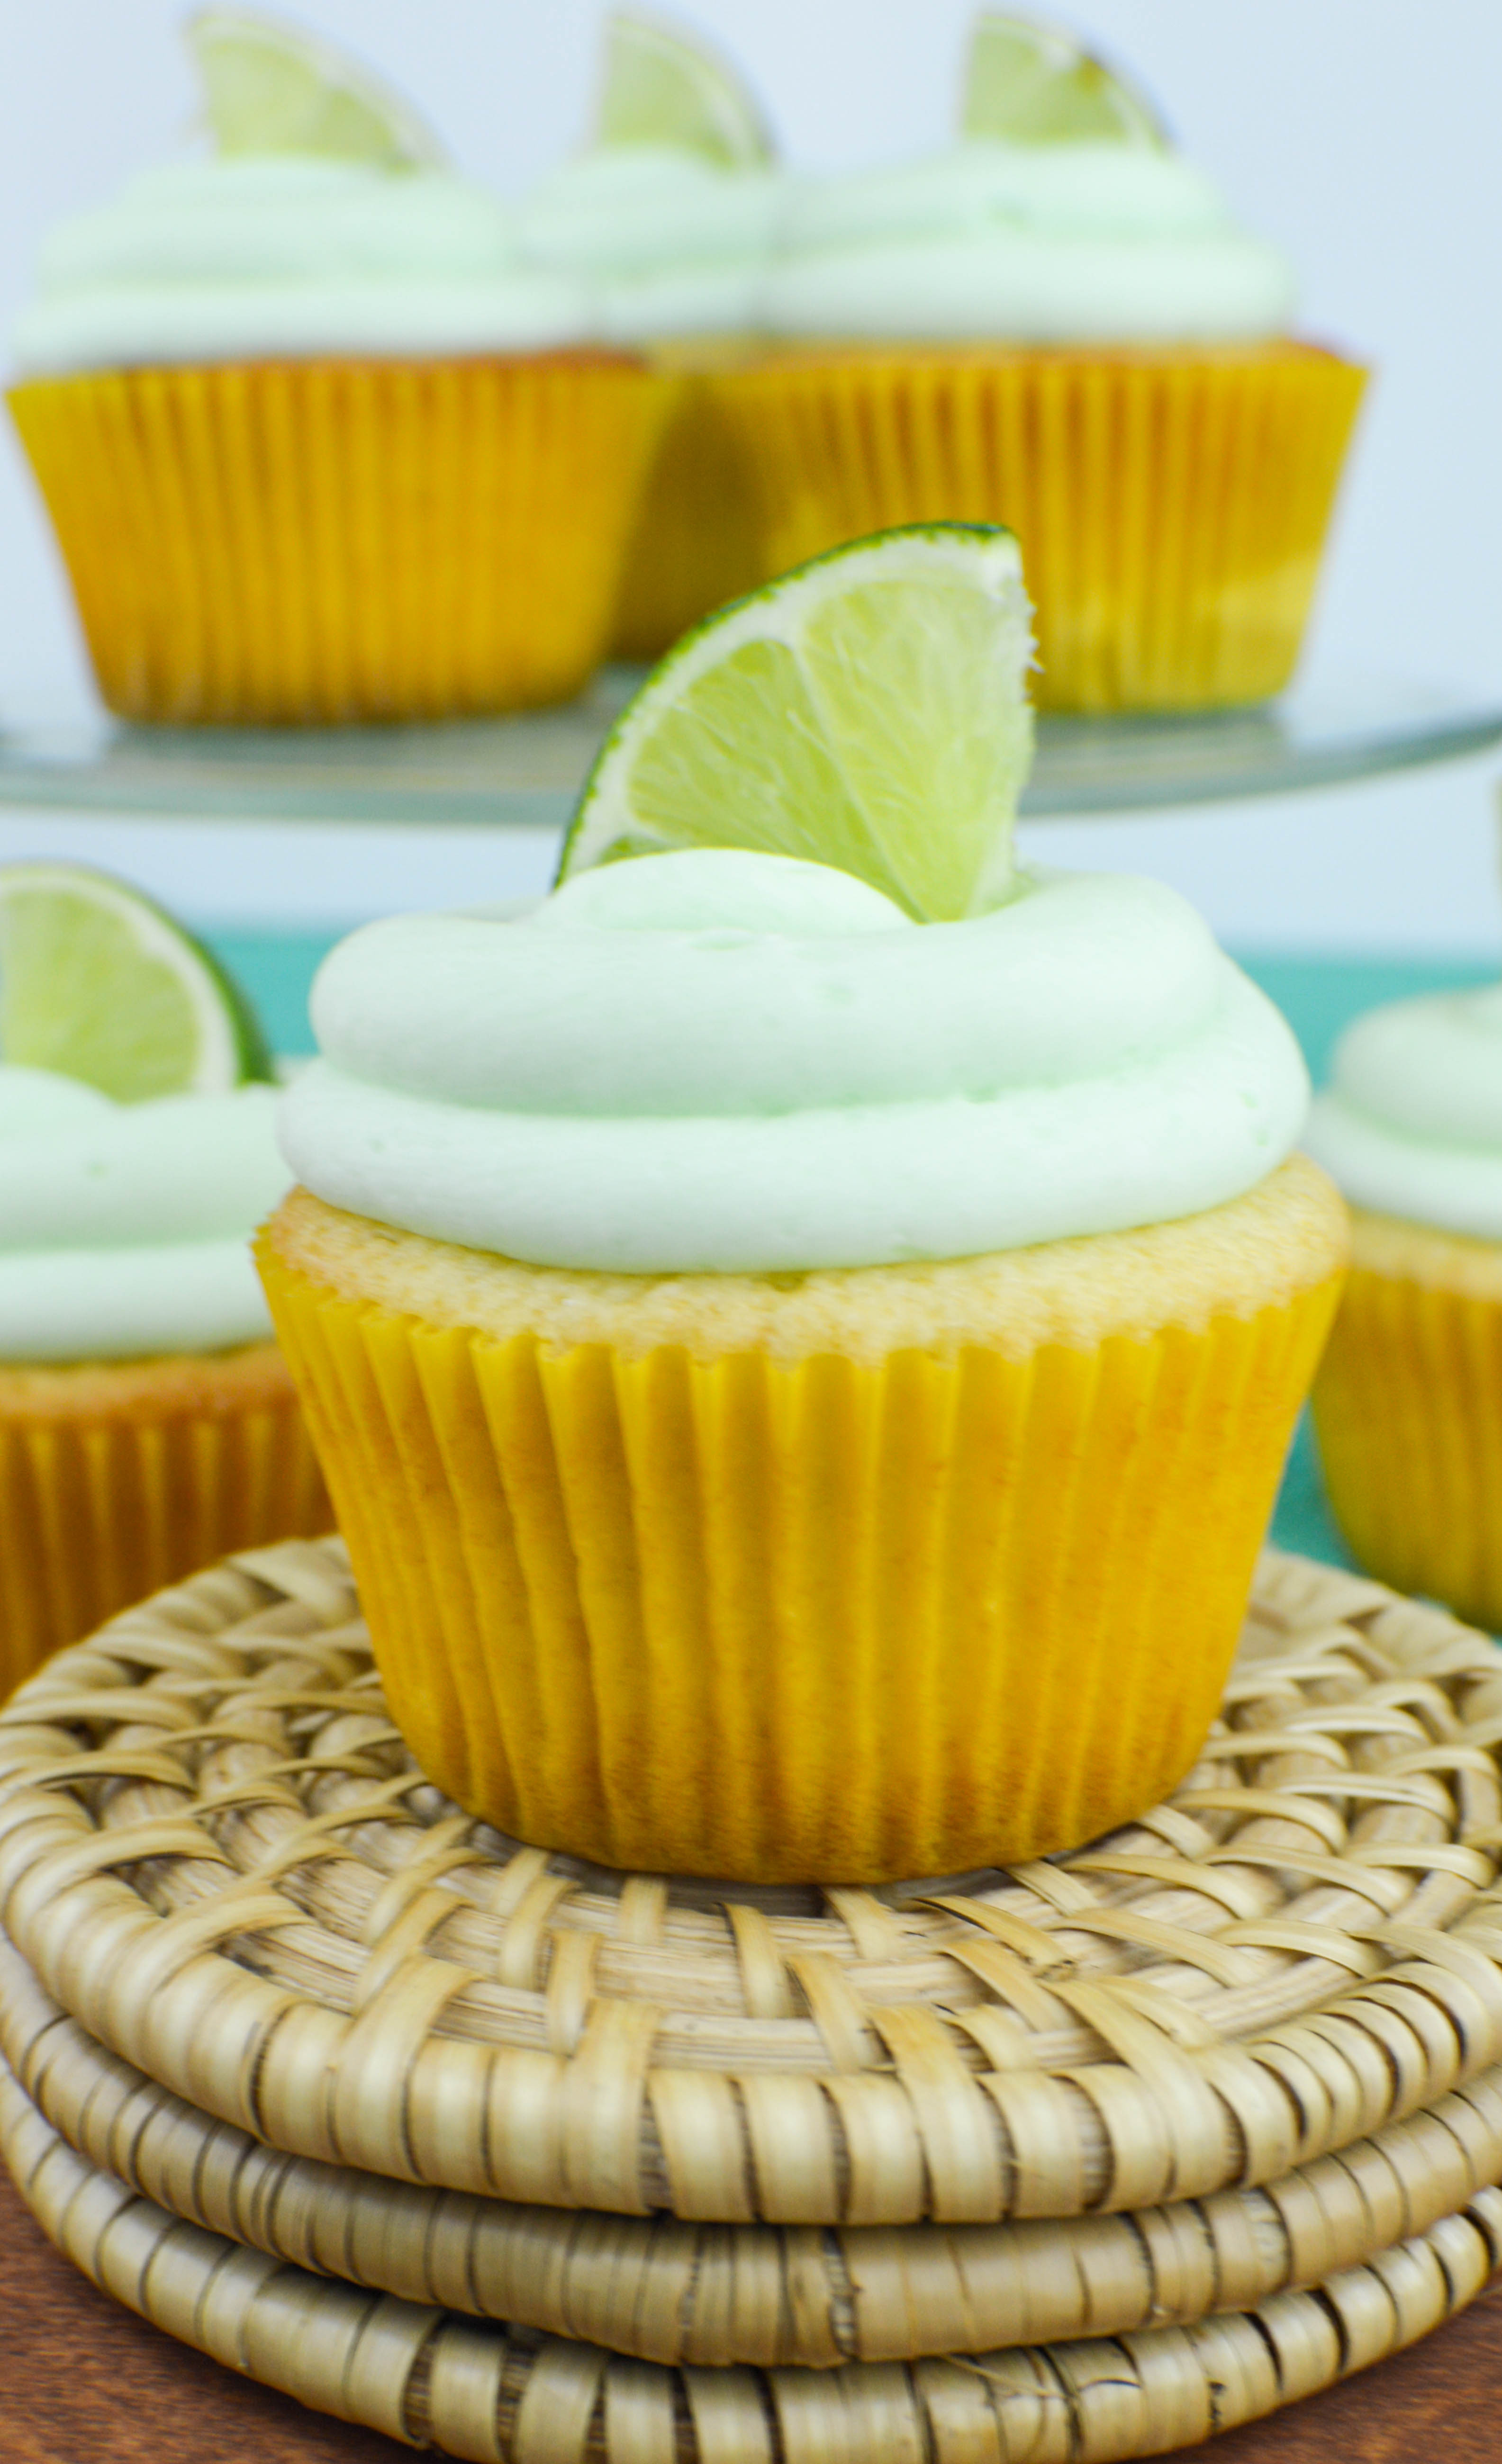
[1057, 325]
[147, 1421]
[1408, 1401]
[317, 443]
[669, 214]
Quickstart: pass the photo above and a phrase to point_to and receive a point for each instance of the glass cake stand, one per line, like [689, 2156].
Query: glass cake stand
[528, 770]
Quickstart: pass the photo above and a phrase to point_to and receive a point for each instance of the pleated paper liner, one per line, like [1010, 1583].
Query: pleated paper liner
[739, 1552]
[318, 541]
[487, 2390]
[719, 2296]
[117, 1477]
[217, 1857]
[1171, 504]
[1408, 1412]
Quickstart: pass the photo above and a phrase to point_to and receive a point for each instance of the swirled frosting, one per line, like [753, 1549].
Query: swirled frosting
[1060, 243]
[717, 1061]
[672, 242]
[287, 255]
[1413, 1122]
[125, 1228]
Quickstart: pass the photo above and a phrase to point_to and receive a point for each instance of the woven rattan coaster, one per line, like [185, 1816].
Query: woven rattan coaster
[723, 2295]
[217, 1855]
[487, 2392]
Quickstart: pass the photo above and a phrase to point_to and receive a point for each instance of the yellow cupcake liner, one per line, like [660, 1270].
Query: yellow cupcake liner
[1171, 505]
[811, 1621]
[1408, 1411]
[117, 1480]
[698, 537]
[337, 539]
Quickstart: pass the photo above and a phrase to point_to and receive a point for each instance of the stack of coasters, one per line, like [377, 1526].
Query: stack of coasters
[489, 2148]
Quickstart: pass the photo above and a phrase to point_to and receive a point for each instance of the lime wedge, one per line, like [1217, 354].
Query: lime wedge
[1033, 85]
[868, 711]
[100, 983]
[660, 88]
[270, 88]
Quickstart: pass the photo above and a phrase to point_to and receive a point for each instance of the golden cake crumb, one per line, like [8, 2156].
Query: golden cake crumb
[1283, 1237]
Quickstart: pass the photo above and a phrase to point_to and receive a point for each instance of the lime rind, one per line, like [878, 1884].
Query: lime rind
[1030, 84]
[866, 711]
[662, 87]
[101, 983]
[270, 87]
[253, 1058]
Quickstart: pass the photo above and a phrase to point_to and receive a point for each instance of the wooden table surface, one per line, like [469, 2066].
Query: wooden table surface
[84, 2382]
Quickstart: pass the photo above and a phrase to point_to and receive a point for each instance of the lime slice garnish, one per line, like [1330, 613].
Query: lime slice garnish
[1033, 85]
[660, 88]
[868, 711]
[100, 983]
[270, 88]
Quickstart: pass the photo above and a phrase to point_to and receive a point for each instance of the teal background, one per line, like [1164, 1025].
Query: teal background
[1319, 996]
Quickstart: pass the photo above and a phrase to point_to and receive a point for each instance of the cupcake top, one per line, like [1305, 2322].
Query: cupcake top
[323, 221]
[1061, 215]
[670, 245]
[793, 1005]
[1073, 243]
[670, 212]
[730, 1061]
[138, 1143]
[125, 1228]
[1411, 1124]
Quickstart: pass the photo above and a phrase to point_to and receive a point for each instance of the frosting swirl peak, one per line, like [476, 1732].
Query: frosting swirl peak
[1079, 242]
[1412, 1123]
[672, 244]
[291, 255]
[722, 1061]
[124, 1228]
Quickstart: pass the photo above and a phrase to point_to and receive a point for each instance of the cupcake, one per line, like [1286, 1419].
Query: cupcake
[668, 215]
[803, 1336]
[317, 444]
[1409, 1401]
[148, 1422]
[1057, 325]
